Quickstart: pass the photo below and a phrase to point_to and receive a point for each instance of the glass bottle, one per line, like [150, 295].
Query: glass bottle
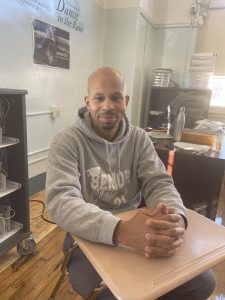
[168, 117]
[179, 124]
[218, 140]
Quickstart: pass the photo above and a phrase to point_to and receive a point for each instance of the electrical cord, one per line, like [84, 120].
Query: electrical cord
[43, 211]
[37, 216]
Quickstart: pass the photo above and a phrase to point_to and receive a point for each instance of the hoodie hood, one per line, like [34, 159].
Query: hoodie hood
[83, 122]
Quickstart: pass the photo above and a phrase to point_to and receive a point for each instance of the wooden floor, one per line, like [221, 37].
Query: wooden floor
[33, 277]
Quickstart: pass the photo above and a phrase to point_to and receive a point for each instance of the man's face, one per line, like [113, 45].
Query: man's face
[106, 102]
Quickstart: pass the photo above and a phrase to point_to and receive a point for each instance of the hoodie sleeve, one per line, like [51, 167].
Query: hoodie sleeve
[65, 201]
[156, 184]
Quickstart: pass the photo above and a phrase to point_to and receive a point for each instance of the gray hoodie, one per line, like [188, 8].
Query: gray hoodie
[90, 179]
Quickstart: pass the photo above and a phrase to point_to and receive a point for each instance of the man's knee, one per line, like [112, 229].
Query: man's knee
[205, 285]
[198, 288]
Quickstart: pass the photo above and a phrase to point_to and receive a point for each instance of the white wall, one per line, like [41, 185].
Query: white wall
[46, 85]
[139, 67]
[174, 37]
[147, 66]
[168, 12]
[172, 48]
[109, 4]
[119, 49]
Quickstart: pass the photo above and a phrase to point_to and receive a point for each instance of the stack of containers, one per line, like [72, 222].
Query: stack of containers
[162, 77]
[202, 67]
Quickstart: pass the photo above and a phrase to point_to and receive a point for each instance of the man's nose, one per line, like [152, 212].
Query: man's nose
[108, 104]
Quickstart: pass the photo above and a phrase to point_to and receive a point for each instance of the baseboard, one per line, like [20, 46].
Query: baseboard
[37, 184]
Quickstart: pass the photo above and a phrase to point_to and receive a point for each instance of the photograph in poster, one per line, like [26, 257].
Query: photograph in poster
[51, 45]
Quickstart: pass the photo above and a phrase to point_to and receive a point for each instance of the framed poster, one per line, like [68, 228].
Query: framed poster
[51, 45]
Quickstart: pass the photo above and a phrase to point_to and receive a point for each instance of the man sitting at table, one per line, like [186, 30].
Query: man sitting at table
[102, 165]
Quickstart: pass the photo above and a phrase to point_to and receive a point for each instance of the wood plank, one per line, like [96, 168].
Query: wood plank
[28, 280]
[24, 276]
[65, 292]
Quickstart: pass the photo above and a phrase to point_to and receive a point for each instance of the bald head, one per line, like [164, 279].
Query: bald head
[106, 101]
[106, 76]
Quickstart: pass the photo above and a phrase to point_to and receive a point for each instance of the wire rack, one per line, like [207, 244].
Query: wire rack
[4, 109]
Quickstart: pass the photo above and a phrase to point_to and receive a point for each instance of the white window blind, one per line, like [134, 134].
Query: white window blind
[210, 38]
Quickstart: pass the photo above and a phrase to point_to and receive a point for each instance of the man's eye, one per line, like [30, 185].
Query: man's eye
[117, 98]
[98, 98]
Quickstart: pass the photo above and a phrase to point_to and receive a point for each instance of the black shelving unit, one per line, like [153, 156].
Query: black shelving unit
[13, 157]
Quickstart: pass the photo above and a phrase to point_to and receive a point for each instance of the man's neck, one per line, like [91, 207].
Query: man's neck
[108, 135]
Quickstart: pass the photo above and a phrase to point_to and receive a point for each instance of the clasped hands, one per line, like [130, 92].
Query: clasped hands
[155, 231]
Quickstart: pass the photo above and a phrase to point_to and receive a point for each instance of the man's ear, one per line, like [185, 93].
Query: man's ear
[86, 100]
[127, 99]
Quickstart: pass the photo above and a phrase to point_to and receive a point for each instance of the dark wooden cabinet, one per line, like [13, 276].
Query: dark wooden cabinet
[198, 178]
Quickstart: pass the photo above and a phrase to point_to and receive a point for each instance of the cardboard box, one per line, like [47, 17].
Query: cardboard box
[191, 136]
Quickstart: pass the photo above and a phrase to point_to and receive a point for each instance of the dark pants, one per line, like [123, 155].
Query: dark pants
[84, 278]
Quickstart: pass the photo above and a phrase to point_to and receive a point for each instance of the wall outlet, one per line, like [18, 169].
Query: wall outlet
[55, 111]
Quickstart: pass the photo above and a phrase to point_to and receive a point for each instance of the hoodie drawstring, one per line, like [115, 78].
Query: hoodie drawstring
[107, 154]
[108, 159]
[118, 149]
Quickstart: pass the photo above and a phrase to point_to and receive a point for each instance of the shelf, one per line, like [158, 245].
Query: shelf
[156, 112]
[8, 141]
[166, 88]
[13, 92]
[11, 186]
[15, 227]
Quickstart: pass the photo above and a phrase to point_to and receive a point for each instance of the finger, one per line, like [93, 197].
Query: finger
[165, 209]
[160, 224]
[166, 242]
[157, 251]
[154, 211]
[159, 241]
[165, 228]
[178, 243]
[170, 210]
[169, 218]
[173, 217]
[147, 255]
[175, 232]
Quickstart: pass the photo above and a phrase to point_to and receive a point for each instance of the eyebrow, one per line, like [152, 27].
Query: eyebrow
[98, 94]
[113, 94]
[118, 93]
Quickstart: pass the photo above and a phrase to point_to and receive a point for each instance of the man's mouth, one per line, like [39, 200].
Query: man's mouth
[107, 119]
[107, 116]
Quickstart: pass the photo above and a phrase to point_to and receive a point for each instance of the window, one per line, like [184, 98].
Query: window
[217, 85]
[217, 104]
